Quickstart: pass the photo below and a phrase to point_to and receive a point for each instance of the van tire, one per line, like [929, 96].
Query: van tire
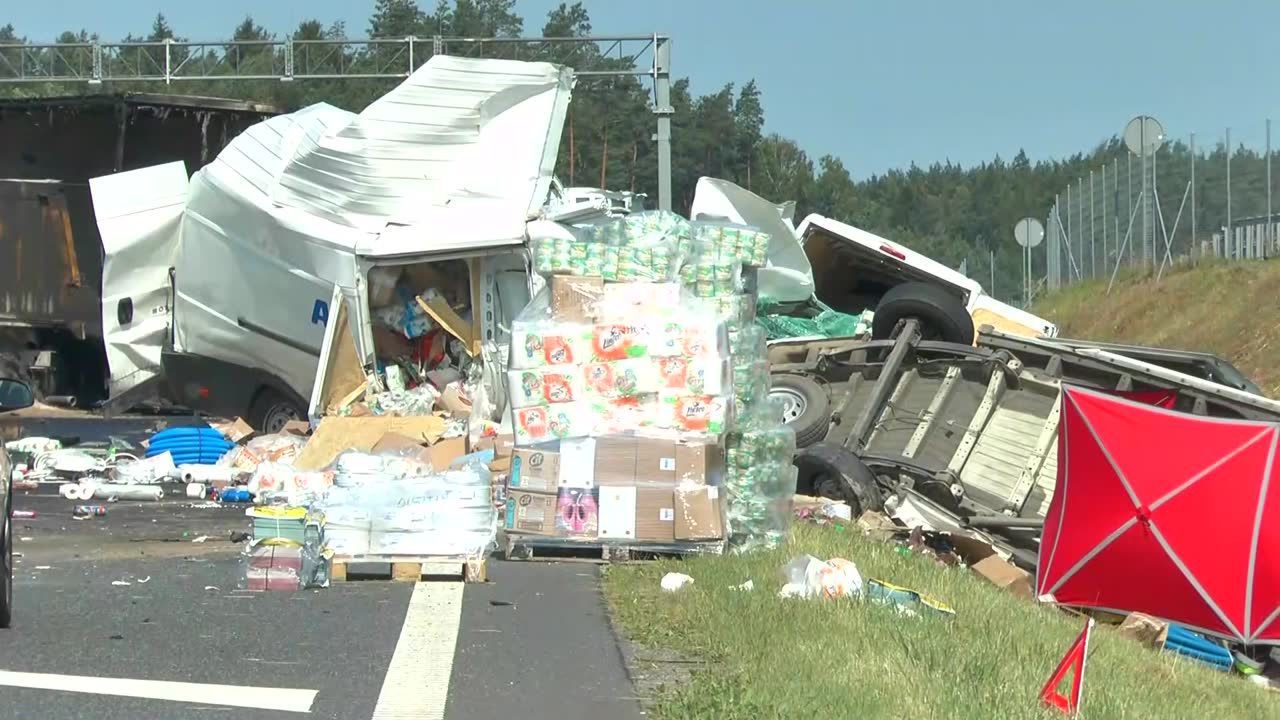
[942, 315]
[807, 402]
[270, 410]
[830, 471]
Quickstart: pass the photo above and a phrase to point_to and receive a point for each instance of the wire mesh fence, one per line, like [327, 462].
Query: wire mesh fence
[1199, 195]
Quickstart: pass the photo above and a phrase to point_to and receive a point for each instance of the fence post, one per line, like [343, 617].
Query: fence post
[1267, 242]
[1104, 218]
[1080, 212]
[1230, 234]
[1193, 192]
[1093, 248]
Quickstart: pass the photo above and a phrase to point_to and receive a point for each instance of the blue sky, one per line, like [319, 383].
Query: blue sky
[885, 83]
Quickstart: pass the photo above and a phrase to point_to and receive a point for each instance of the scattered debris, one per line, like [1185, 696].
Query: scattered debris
[121, 583]
[747, 586]
[672, 582]
[909, 602]
[806, 576]
[25, 514]
[200, 539]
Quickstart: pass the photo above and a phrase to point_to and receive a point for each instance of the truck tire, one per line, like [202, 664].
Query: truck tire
[830, 471]
[270, 411]
[806, 406]
[6, 572]
[942, 315]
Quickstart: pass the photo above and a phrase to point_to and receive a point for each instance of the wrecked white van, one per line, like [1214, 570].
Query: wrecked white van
[223, 286]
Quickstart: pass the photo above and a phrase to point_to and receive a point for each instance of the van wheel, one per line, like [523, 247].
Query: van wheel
[942, 315]
[830, 471]
[271, 411]
[806, 408]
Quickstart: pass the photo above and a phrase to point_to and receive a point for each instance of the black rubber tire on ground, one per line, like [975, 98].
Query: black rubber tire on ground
[6, 573]
[830, 471]
[941, 314]
[271, 410]
[810, 403]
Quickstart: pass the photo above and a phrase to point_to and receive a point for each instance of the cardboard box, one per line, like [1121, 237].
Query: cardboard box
[655, 514]
[444, 452]
[615, 464]
[1004, 575]
[576, 298]
[655, 461]
[439, 455]
[577, 463]
[699, 463]
[534, 470]
[234, 430]
[397, 444]
[578, 513]
[532, 513]
[301, 428]
[699, 513]
[618, 513]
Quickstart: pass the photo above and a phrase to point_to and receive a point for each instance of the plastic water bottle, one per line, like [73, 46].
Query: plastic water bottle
[84, 511]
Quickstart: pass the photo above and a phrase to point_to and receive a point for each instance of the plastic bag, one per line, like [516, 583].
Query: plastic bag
[806, 576]
[279, 448]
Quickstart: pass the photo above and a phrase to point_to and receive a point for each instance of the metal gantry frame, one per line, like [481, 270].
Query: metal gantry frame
[289, 60]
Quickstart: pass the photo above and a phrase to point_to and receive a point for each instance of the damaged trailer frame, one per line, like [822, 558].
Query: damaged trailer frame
[51, 254]
[964, 438]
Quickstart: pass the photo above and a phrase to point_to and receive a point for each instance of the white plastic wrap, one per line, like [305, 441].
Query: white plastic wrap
[394, 505]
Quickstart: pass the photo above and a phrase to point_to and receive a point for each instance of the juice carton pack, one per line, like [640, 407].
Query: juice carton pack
[695, 376]
[535, 345]
[621, 378]
[619, 341]
[616, 416]
[693, 414]
[545, 385]
[544, 423]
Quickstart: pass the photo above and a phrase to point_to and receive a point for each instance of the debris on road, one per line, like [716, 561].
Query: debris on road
[82, 512]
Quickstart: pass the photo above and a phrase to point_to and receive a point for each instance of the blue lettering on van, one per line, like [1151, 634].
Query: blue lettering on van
[320, 313]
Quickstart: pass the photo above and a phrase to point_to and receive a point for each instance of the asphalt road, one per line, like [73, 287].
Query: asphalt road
[532, 643]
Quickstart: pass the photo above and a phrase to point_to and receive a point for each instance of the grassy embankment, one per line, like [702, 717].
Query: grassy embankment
[771, 658]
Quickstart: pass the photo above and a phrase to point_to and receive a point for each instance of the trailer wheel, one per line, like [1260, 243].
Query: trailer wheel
[830, 471]
[271, 411]
[942, 315]
[806, 407]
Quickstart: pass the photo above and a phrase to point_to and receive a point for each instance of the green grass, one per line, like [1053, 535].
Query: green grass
[773, 658]
[1211, 306]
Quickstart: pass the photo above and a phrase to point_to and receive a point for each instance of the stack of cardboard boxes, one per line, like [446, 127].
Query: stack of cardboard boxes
[626, 379]
[619, 488]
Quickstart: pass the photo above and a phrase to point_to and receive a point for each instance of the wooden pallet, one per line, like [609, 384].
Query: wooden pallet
[407, 568]
[537, 547]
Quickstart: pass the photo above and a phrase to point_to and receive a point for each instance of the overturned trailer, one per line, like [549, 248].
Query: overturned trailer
[965, 437]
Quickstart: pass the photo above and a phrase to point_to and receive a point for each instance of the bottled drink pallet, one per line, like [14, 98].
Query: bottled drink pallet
[407, 568]
[539, 547]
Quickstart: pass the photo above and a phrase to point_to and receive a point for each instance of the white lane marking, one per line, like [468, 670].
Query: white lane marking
[416, 686]
[261, 698]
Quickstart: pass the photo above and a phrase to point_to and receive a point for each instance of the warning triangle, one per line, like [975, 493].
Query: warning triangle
[1072, 662]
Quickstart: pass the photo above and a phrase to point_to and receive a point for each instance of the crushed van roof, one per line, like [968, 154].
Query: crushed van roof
[457, 157]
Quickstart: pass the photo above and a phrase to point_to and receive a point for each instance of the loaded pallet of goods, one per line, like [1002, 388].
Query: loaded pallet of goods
[638, 380]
